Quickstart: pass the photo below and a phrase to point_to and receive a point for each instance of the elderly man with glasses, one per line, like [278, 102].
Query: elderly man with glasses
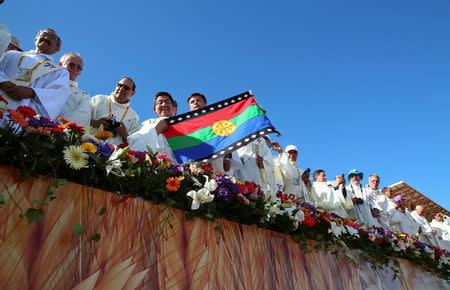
[150, 131]
[33, 79]
[77, 109]
[115, 113]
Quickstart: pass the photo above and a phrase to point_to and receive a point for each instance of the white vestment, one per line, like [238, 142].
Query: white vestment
[442, 234]
[51, 89]
[379, 201]
[330, 200]
[250, 170]
[235, 164]
[360, 211]
[291, 175]
[402, 222]
[146, 136]
[427, 231]
[5, 38]
[77, 108]
[100, 109]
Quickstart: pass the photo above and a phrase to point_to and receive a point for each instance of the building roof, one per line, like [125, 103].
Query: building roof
[414, 197]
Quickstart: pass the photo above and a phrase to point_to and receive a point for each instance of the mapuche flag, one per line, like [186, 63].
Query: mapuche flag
[217, 129]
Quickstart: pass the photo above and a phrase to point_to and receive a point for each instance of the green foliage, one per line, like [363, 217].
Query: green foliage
[34, 215]
[77, 229]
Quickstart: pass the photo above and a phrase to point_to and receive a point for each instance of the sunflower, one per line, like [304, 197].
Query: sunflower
[89, 147]
[103, 135]
[75, 157]
[172, 184]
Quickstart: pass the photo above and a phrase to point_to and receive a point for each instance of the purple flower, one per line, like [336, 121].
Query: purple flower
[42, 122]
[227, 191]
[177, 168]
[333, 215]
[104, 150]
[312, 209]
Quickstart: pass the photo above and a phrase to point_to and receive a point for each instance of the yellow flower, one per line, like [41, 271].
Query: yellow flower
[172, 184]
[103, 135]
[166, 164]
[89, 147]
[75, 157]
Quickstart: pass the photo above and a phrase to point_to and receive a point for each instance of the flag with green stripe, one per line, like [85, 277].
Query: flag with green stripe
[217, 129]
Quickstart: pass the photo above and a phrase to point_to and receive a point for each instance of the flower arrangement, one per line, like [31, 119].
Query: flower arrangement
[60, 148]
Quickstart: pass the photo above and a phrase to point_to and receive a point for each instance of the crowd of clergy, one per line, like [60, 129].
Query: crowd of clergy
[50, 87]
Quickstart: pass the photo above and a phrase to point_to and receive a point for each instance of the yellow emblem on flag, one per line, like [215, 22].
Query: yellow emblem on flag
[223, 128]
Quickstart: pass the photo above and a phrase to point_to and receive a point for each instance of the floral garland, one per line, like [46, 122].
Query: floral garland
[60, 148]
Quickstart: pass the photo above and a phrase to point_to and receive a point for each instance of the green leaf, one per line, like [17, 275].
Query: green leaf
[100, 128]
[87, 130]
[102, 211]
[209, 216]
[33, 215]
[77, 229]
[59, 182]
[2, 199]
[96, 237]
[51, 196]
[39, 201]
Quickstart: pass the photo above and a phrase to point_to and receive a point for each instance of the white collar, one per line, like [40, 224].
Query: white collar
[73, 84]
[113, 100]
[47, 56]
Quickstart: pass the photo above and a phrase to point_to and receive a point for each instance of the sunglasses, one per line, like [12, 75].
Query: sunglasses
[125, 87]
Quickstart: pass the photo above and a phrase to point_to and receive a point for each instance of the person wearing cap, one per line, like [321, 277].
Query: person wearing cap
[114, 112]
[360, 198]
[150, 131]
[33, 79]
[295, 180]
[442, 235]
[77, 108]
[426, 231]
[330, 198]
[400, 220]
[14, 44]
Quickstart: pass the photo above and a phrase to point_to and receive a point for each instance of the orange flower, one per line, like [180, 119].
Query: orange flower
[103, 135]
[172, 184]
[64, 120]
[17, 118]
[39, 131]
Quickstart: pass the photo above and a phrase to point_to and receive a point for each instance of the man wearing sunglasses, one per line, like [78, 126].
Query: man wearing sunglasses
[77, 109]
[33, 79]
[114, 112]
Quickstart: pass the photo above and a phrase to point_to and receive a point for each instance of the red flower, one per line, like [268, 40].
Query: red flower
[1, 114]
[309, 221]
[250, 187]
[64, 120]
[241, 188]
[26, 112]
[123, 145]
[17, 118]
[206, 167]
[57, 130]
[3, 100]
[155, 162]
[141, 158]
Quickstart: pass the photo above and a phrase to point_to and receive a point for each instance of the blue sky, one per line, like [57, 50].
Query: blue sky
[354, 84]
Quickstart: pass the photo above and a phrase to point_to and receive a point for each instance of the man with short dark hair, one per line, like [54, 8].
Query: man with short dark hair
[197, 101]
[150, 131]
[115, 113]
[330, 198]
[33, 79]
[78, 108]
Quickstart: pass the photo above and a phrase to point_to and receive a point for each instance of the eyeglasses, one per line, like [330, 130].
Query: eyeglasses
[45, 34]
[125, 87]
[74, 65]
[167, 102]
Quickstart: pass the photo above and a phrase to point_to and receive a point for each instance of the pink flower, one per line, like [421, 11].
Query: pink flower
[193, 167]
[162, 156]
[372, 237]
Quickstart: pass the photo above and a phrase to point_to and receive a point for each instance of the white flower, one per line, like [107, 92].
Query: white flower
[335, 230]
[199, 197]
[299, 217]
[210, 185]
[75, 157]
[352, 231]
[231, 178]
[114, 164]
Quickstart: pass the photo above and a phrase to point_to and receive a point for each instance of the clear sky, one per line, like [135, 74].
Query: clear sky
[354, 84]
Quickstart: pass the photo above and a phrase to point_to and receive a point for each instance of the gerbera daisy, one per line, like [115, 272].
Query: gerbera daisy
[17, 118]
[75, 157]
[64, 120]
[103, 135]
[26, 112]
[172, 184]
[39, 131]
[89, 147]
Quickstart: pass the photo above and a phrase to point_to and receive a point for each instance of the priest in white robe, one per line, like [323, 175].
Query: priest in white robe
[77, 108]
[378, 201]
[427, 233]
[401, 220]
[295, 180]
[361, 204]
[442, 229]
[258, 165]
[33, 79]
[115, 107]
[330, 198]
[150, 131]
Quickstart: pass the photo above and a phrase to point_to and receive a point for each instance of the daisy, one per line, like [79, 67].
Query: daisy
[75, 157]
[173, 184]
[103, 135]
[89, 147]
